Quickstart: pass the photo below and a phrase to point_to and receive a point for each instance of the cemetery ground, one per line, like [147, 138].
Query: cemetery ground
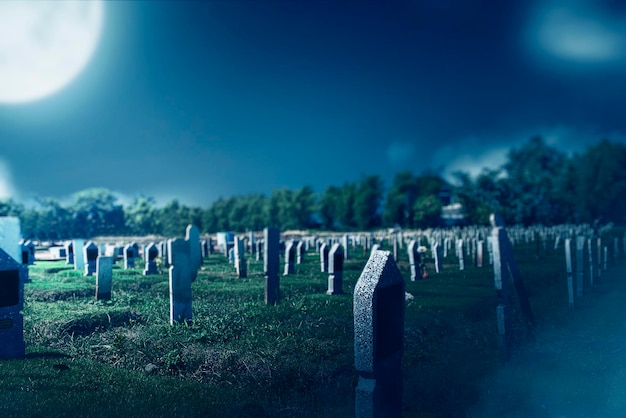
[241, 358]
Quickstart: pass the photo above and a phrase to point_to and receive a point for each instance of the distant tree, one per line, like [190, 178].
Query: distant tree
[96, 212]
[367, 202]
[400, 199]
[600, 185]
[9, 207]
[141, 217]
[328, 207]
[303, 206]
[427, 211]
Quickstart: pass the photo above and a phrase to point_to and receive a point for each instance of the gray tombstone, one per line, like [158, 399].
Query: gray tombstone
[240, 259]
[69, 252]
[324, 258]
[129, 257]
[180, 273]
[271, 264]
[569, 270]
[192, 234]
[104, 276]
[480, 247]
[459, 254]
[90, 255]
[150, 255]
[10, 235]
[590, 251]
[414, 260]
[345, 242]
[12, 278]
[437, 257]
[79, 260]
[335, 270]
[379, 337]
[300, 251]
[580, 247]
[290, 258]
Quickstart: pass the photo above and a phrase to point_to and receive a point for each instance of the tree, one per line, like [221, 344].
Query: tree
[427, 211]
[369, 195]
[141, 216]
[96, 212]
[328, 208]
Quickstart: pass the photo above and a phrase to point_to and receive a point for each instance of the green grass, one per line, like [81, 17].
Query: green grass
[241, 358]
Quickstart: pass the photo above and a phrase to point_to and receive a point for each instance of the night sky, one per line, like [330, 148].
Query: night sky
[202, 99]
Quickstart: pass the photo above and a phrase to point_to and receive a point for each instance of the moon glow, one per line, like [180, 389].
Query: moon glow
[44, 45]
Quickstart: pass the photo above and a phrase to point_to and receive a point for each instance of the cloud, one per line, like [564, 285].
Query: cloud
[6, 183]
[582, 32]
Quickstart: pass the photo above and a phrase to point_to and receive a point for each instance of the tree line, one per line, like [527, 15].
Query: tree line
[537, 184]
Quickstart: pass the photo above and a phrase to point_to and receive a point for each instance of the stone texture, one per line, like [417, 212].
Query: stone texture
[180, 275]
[271, 264]
[240, 258]
[79, 256]
[90, 255]
[150, 255]
[10, 235]
[129, 257]
[335, 270]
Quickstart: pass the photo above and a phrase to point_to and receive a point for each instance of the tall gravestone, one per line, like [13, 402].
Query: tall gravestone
[271, 264]
[104, 277]
[10, 235]
[437, 257]
[324, 258]
[379, 337]
[90, 255]
[180, 275]
[414, 260]
[290, 258]
[459, 254]
[150, 254]
[569, 270]
[335, 270]
[345, 242]
[300, 251]
[129, 257]
[240, 258]
[79, 256]
[12, 278]
[69, 253]
[580, 247]
[192, 235]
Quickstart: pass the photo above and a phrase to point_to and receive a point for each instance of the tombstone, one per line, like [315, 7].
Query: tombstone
[569, 271]
[459, 254]
[231, 255]
[192, 234]
[414, 260]
[129, 257]
[299, 252]
[345, 242]
[259, 250]
[10, 236]
[590, 251]
[504, 264]
[599, 258]
[205, 248]
[437, 257]
[104, 276]
[480, 247]
[335, 270]
[24, 254]
[271, 263]
[375, 248]
[395, 248]
[69, 252]
[30, 252]
[180, 273]
[324, 258]
[290, 258]
[379, 337]
[580, 246]
[90, 255]
[251, 242]
[79, 260]
[240, 259]
[12, 278]
[150, 254]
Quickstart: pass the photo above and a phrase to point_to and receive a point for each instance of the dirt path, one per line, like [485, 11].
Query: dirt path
[575, 370]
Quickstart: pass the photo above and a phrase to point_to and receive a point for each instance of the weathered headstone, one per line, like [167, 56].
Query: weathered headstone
[129, 257]
[240, 258]
[480, 246]
[345, 242]
[590, 251]
[13, 275]
[324, 258]
[10, 235]
[335, 270]
[90, 255]
[150, 254]
[300, 252]
[79, 256]
[192, 234]
[180, 281]
[580, 246]
[414, 260]
[459, 254]
[569, 270]
[104, 276]
[379, 337]
[290, 258]
[69, 252]
[271, 263]
[437, 257]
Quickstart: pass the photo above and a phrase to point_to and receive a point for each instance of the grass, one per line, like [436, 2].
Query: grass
[241, 358]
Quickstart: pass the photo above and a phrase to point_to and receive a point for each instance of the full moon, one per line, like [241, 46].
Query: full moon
[44, 45]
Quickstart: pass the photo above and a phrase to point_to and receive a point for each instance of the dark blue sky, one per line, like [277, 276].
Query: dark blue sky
[196, 100]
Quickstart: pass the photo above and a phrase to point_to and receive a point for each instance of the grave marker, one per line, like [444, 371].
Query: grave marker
[240, 259]
[129, 257]
[335, 270]
[12, 278]
[271, 263]
[414, 260]
[10, 236]
[290, 258]
[90, 255]
[180, 276]
[104, 276]
[150, 254]
[324, 258]
[379, 337]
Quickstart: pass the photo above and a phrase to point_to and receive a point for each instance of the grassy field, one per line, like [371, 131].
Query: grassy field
[241, 358]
